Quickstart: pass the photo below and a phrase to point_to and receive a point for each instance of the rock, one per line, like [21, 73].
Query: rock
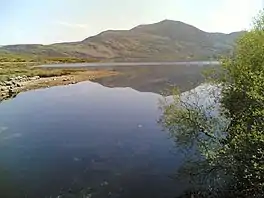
[19, 78]
[8, 83]
[34, 78]
[18, 85]
[3, 88]
[11, 87]
[3, 95]
[10, 91]
[24, 78]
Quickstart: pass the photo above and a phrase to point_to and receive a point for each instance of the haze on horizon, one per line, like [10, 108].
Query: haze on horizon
[46, 22]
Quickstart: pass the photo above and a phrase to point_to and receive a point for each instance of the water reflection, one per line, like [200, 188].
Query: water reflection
[131, 64]
[87, 138]
[157, 79]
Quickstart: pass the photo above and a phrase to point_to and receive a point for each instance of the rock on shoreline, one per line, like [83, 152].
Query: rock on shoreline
[11, 86]
[14, 85]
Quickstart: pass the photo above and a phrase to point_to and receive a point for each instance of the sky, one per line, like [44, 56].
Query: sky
[53, 21]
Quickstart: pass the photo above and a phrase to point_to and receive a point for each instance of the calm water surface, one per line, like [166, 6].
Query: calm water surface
[100, 64]
[86, 139]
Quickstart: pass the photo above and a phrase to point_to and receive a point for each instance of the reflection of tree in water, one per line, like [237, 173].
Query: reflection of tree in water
[229, 143]
[193, 121]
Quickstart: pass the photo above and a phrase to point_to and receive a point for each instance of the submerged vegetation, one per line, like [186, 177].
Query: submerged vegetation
[225, 134]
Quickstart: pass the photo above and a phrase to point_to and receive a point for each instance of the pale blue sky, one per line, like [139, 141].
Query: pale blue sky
[50, 21]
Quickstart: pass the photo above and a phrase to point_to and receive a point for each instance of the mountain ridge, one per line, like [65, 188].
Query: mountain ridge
[166, 40]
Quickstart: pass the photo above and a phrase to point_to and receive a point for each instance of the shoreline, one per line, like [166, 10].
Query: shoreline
[20, 84]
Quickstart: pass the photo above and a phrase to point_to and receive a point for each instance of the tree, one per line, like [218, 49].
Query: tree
[227, 133]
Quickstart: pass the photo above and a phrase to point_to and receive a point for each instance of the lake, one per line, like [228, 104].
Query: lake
[99, 139]
[120, 64]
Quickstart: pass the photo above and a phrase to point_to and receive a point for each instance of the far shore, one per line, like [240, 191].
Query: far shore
[16, 77]
[112, 64]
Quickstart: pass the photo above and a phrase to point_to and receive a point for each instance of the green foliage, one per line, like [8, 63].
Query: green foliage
[243, 97]
[230, 145]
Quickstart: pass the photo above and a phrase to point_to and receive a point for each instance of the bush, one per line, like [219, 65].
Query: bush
[229, 145]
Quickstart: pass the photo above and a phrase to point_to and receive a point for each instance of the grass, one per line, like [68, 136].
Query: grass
[12, 65]
[8, 70]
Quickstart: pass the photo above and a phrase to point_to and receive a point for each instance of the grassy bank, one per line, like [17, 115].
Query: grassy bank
[12, 69]
[19, 74]
[12, 65]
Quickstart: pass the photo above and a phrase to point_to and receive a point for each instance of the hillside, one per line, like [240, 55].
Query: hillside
[164, 41]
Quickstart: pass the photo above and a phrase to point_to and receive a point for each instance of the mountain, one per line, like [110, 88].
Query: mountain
[163, 41]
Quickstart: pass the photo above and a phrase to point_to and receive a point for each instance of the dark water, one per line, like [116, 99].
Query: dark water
[188, 63]
[86, 139]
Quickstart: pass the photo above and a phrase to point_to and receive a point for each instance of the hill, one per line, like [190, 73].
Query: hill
[163, 41]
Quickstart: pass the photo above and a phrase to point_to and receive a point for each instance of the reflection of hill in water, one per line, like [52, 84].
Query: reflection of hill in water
[156, 78]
